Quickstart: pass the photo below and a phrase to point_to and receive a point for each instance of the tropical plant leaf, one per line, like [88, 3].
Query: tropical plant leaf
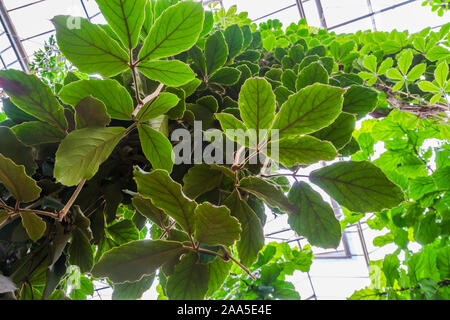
[156, 147]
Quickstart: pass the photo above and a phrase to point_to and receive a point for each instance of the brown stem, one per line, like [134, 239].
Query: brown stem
[71, 201]
[167, 229]
[146, 100]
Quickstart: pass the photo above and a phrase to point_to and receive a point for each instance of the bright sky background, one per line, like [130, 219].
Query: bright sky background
[332, 279]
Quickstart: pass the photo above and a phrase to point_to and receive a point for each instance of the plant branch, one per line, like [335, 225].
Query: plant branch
[146, 100]
[71, 201]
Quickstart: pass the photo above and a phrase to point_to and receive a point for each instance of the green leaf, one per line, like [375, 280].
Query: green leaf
[234, 129]
[133, 290]
[301, 150]
[82, 152]
[156, 147]
[166, 194]
[339, 133]
[123, 231]
[267, 192]
[257, 104]
[405, 60]
[441, 74]
[88, 46]
[148, 210]
[216, 52]
[218, 273]
[175, 31]
[428, 86]
[91, 112]
[161, 105]
[135, 260]
[252, 234]
[215, 226]
[225, 76]
[438, 53]
[190, 279]
[314, 73]
[126, 18]
[289, 79]
[385, 66]
[416, 72]
[32, 96]
[315, 219]
[360, 100]
[358, 186]
[309, 110]
[398, 85]
[394, 74]
[172, 73]
[116, 98]
[35, 133]
[235, 40]
[13, 177]
[80, 252]
[15, 150]
[33, 224]
[370, 63]
[201, 179]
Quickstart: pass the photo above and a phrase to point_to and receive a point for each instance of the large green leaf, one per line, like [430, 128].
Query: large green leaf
[32, 96]
[134, 260]
[315, 219]
[360, 100]
[13, 177]
[267, 192]
[215, 226]
[125, 18]
[225, 76]
[156, 147]
[170, 72]
[201, 179]
[161, 105]
[358, 186]
[88, 46]
[314, 73]
[80, 252]
[166, 194]
[189, 280]
[12, 148]
[116, 98]
[257, 104]
[252, 234]
[82, 152]
[309, 110]
[175, 31]
[36, 132]
[33, 224]
[216, 52]
[301, 150]
[235, 40]
[148, 210]
[339, 133]
[91, 112]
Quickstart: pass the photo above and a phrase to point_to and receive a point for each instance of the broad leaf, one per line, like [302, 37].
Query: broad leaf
[116, 98]
[360, 100]
[91, 112]
[235, 40]
[215, 226]
[358, 186]
[33, 224]
[225, 76]
[156, 147]
[82, 152]
[252, 234]
[339, 133]
[314, 73]
[88, 46]
[166, 194]
[32, 96]
[170, 72]
[301, 150]
[35, 133]
[161, 105]
[175, 31]
[125, 17]
[123, 231]
[13, 177]
[135, 260]
[216, 52]
[12, 148]
[201, 179]
[315, 219]
[218, 273]
[80, 252]
[148, 210]
[189, 280]
[309, 110]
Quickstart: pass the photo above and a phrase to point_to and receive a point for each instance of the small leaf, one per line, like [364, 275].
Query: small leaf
[216, 52]
[12, 148]
[161, 105]
[189, 280]
[385, 66]
[156, 147]
[218, 273]
[36, 133]
[394, 74]
[166, 194]
[13, 177]
[438, 53]
[359, 186]
[172, 72]
[215, 226]
[315, 219]
[234, 129]
[82, 152]
[441, 74]
[225, 76]
[405, 60]
[428, 86]
[91, 112]
[123, 231]
[88, 46]
[235, 40]
[201, 179]
[314, 73]
[33, 224]
[150, 211]
[135, 260]
[133, 290]
[175, 31]
[416, 72]
[360, 100]
[339, 133]
[80, 252]
[370, 63]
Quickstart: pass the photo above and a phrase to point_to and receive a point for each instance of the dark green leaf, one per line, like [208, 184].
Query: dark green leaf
[156, 147]
[91, 112]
